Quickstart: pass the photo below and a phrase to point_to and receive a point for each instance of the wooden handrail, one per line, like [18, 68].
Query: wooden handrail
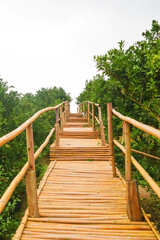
[97, 120]
[8, 137]
[96, 104]
[146, 128]
[145, 154]
[8, 193]
[143, 172]
[29, 167]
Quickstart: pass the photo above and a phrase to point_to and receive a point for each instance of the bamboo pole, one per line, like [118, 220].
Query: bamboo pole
[145, 154]
[93, 120]
[6, 196]
[30, 147]
[97, 120]
[128, 174]
[110, 138]
[96, 104]
[20, 129]
[40, 149]
[31, 187]
[142, 171]
[133, 201]
[83, 110]
[101, 127]
[156, 233]
[61, 117]
[21, 227]
[8, 193]
[31, 190]
[153, 131]
[57, 127]
[65, 112]
[88, 117]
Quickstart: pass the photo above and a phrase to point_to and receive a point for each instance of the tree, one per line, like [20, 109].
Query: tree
[137, 70]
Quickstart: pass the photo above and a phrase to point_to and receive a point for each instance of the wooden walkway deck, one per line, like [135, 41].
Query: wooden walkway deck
[80, 198]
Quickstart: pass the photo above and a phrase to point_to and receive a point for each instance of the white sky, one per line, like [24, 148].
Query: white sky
[46, 43]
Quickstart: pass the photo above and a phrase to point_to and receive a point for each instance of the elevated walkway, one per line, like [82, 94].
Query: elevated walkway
[79, 197]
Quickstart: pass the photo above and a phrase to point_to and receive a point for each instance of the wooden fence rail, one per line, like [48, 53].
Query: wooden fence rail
[84, 109]
[132, 190]
[29, 168]
[132, 195]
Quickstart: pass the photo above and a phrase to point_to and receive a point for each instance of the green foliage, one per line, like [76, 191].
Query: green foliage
[130, 80]
[137, 70]
[15, 109]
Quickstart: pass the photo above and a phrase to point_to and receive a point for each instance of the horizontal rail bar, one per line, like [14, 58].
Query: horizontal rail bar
[8, 193]
[40, 149]
[20, 129]
[97, 119]
[20, 229]
[96, 104]
[143, 172]
[145, 154]
[153, 131]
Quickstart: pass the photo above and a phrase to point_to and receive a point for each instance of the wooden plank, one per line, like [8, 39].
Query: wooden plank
[81, 199]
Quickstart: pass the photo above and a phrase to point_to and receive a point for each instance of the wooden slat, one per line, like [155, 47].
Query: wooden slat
[81, 199]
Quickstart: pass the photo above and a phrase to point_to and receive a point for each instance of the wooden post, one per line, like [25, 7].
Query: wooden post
[123, 132]
[101, 127]
[134, 208]
[65, 106]
[31, 186]
[88, 117]
[57, 127]
[61, 117]
[93, 120]
[128, 175]
[110, 137]
[83, 110]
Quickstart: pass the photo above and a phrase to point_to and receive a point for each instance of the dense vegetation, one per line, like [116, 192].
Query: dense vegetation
[16, 108]
[130, 79]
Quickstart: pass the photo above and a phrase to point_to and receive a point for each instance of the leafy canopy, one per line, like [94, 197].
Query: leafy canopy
[137, 70]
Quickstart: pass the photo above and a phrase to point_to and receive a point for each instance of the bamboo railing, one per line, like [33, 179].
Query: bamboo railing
[29, 171]
[130, 159]
[85, 110]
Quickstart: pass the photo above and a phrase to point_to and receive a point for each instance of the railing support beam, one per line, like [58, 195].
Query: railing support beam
[93, 116]
[101, 127]
[110, 138]
[57, 127]
[133, 201]
[31, 186]
[128, 174]
[88, 117]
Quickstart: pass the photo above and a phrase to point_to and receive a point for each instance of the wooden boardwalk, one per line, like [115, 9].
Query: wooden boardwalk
[80, 198]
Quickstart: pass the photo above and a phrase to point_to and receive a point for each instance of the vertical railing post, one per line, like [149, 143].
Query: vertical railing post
[128, 175]
[133, 202]
[110, 137]
[61, 117]
[101, 127]
[68, 108]
[83, 110]
[93, 117]
[57, 127]
[65, 108]
[88, 117]
[31, 186]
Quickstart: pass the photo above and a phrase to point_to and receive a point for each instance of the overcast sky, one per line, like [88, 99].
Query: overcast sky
[47, 43]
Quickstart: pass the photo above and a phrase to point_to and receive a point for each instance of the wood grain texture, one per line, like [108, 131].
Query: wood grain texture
[81, 199]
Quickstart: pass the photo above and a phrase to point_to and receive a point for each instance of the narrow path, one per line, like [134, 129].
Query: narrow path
[81, 199]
